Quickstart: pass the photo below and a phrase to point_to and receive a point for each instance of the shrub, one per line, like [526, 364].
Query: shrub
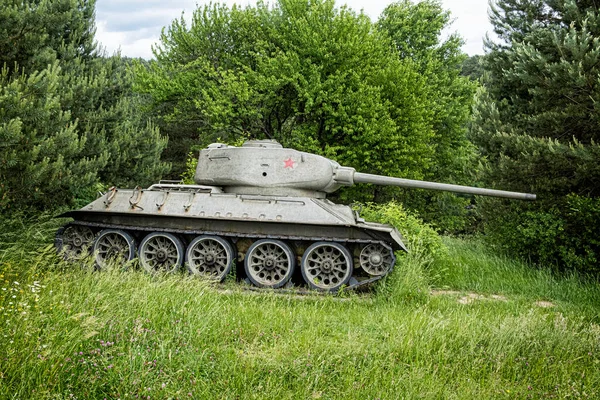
[563, 237]
[408, 281]
[419, 236]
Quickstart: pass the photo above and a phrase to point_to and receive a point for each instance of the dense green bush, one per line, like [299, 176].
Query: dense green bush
[560, 237]
[419, 236]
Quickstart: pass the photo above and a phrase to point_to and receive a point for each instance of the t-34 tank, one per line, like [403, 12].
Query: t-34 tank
[261, 207]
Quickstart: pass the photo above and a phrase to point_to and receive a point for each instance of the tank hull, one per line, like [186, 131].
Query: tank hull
[194, 211]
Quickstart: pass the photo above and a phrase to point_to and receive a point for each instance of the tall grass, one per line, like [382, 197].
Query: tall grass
[69, 332]
[472, 267]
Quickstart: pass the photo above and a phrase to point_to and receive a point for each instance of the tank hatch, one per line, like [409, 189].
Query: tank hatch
[265, 144]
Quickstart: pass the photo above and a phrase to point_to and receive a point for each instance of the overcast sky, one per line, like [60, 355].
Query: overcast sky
[134, 25]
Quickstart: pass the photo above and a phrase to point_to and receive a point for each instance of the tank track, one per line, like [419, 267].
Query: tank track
[293, 286]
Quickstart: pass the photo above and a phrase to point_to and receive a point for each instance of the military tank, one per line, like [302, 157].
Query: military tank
[261, 208]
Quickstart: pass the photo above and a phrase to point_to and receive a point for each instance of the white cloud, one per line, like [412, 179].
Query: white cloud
[134, 25]
[470, 21]
[136, 43]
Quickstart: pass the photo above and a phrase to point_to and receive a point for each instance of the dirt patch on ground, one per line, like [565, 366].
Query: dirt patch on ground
[471, 297]
[544, 304]
[444, 293]
[468, 298]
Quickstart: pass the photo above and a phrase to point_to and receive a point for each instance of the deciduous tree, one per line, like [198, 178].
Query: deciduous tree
[318, 78]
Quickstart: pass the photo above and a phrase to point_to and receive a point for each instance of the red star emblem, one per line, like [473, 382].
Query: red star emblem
[289, 163]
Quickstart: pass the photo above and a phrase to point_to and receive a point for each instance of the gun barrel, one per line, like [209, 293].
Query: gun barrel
[360, 177]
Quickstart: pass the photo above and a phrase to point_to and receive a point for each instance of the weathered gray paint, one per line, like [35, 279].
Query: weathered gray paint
[200, 210]
[359, 177]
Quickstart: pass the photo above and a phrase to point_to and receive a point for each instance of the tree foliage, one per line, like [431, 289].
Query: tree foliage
[34, 34]
[416, 34]
[68, 116]
[537, 124]
[318, 78]
[472, 67]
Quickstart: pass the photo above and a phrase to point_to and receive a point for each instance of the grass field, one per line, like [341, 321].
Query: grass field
[468, 325]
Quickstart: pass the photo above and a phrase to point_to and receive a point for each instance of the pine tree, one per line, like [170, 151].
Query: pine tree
[33, 34]
[537, 124]
[68, 116]
[40, 146]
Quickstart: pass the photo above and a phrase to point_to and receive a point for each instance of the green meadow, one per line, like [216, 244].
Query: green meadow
[466, 325]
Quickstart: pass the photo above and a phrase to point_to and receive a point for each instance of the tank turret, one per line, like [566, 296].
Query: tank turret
[264, 167]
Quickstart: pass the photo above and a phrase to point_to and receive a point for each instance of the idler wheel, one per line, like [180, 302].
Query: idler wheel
[269, 263]
[376, 259]
[161, 252]
[326, 266]
[209, 257]
[74, 241]
[113, 245]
